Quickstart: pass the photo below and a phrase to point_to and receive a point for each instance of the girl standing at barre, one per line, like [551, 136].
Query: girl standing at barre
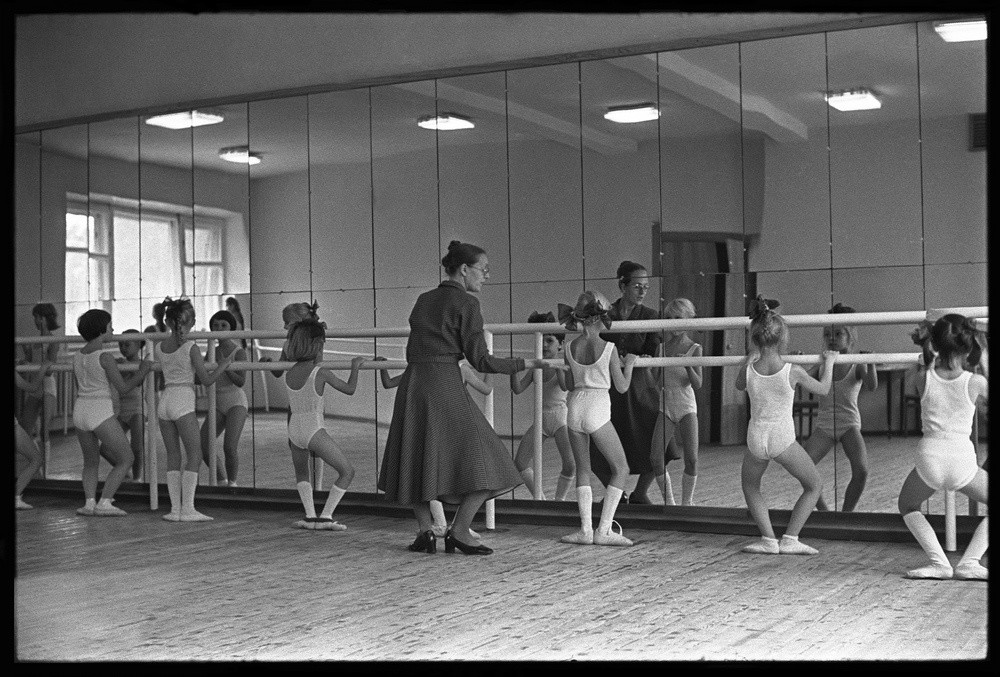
[230, 401]
[306, 435]
[553, 414]
[23, 442]
[678, 407]
[594, 365]
[770, 382]
[838, 418]
[181, 360]
[94, 418]
[946, 457]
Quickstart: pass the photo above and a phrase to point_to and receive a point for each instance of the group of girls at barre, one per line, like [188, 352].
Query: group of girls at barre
[441, 450]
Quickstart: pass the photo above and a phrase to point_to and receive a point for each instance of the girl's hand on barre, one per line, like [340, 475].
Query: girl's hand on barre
[357, 362]
[830, 356]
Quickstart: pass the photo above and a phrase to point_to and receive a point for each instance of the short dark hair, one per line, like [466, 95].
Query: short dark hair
[47, 311]
[93, 323]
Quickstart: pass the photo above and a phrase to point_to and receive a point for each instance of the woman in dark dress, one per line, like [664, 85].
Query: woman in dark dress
[634, 412]
[440, 446]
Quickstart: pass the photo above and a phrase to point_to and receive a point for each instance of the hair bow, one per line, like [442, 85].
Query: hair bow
[921, 333]
[760, 306]
[570, 318]
[841, 308]
[543, 317]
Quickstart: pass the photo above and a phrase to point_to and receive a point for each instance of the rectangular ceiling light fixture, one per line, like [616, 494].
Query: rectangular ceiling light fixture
[961, 31]
[635, 113]
[445, 122]
[853, 99]
[185, 119]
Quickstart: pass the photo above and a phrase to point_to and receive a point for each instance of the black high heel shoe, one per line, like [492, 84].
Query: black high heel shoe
[426, 542]
[450, 543]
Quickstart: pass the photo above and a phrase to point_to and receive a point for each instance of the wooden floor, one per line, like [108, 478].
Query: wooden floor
[249, 587]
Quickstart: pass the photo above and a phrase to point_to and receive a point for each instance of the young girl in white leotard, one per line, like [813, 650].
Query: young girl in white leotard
[180, 361]
[306, 435]
[553, 414]
[838, 418]
[678, 407]
[946, 456]
[770, 382]
[23, 443]
[593, 366]
[97, 427]
[230, 402]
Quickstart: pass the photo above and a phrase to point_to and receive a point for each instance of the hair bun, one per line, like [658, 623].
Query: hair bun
[453, 244]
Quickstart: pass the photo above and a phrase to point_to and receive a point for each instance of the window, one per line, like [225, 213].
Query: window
[123, 260]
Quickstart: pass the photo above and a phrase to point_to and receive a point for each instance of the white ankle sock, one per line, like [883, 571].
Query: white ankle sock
[585, 504]
[336, 493]
[687, 488]
[305, 490]
[666, 488]
[928, 540]
[978, 545]
[611, 498]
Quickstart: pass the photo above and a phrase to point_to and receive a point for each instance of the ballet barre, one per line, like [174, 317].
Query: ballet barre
[979, 313]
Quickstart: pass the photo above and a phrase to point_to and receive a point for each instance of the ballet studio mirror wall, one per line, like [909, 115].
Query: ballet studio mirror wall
[744, 174]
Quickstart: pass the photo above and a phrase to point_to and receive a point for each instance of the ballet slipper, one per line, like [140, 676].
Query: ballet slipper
[579, 537]
[610, 537]
[971, 571]
[108, 510]
[931, 571]
[192, 515]
[765, 546]
[790, 545]
[327, 524]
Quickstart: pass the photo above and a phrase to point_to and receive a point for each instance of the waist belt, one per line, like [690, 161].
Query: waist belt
[433, 359]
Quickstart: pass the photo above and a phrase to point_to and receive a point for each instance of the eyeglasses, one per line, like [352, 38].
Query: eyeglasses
[640, 287]
[485, 270]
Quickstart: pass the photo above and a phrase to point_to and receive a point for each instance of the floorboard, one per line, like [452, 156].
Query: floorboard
[249, 587]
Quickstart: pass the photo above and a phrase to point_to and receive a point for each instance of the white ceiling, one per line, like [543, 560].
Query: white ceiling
[70, 67]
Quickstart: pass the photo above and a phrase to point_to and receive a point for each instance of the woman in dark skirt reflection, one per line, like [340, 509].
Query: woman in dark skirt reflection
[440, 446]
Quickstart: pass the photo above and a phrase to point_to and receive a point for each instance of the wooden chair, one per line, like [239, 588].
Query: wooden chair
[804, 408]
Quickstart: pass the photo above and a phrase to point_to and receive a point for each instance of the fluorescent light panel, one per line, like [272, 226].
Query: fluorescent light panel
[855, 99]
[239, 154]
[630, 114]
[185, 119]
[961, 31]
[445, 122]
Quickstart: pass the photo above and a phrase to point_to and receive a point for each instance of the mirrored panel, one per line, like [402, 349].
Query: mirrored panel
[700, 140]
[786, 207]
[953, 147]
[340, 190]
[71, 252]
[882, 452]
[694, 416]
[405, 217]
[875, 221]
[543, 121]
[620, 164]
[472, 169]
[518, 391]
[27, 228]
[280, 221]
